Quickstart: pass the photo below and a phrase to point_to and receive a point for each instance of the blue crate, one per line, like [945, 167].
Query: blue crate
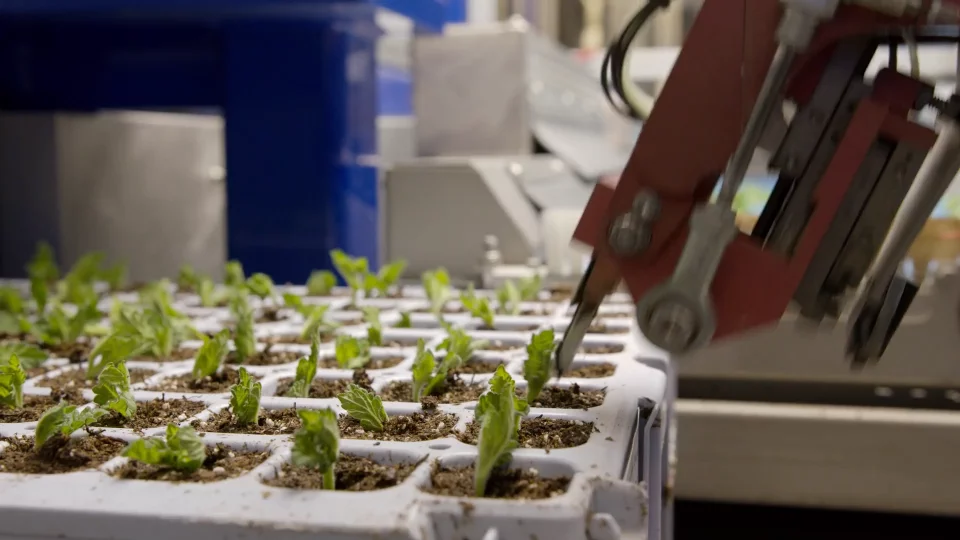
[296, 82]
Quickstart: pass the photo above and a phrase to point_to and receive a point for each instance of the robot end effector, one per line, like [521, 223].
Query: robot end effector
[848, 159]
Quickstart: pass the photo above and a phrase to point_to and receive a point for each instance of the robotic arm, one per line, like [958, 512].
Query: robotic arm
[834, 224]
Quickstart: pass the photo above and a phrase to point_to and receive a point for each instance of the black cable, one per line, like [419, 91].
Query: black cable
[611, 71]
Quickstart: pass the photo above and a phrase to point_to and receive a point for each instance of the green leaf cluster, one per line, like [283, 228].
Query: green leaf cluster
[498, 412]
[317, 443]
[180, 449]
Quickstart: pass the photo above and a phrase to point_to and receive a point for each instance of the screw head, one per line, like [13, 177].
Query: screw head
[646, 206]
[673, 326]
[627, 236]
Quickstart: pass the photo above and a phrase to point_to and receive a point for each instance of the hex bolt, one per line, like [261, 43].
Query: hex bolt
[630, 232]
[674, 326]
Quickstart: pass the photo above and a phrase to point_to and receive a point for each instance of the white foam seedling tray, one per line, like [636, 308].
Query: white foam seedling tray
[618, 476]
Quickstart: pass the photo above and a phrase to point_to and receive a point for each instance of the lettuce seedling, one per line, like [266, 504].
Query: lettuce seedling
[114, 349]
[187, 279]
[180, 449]
[157, 327]
[211, 355]
[77, 286]
[115, 276]
[382, 281]
[56, 327]
[317, 443]
[351, 352]
[371, 316]
[306, 371]
[530, 288]
[429, 376]
[11, 301]
[29, 356]
[12, 378]
[498, 412]
[245, 399]
[365, 407]
[405, 320]
[321, 283]
[43, 272]
[509, 298]
[458, 342]
[436, 285]
[479, 307]
[244, 341]
[233, 275]
[63, 420]
[536, 368]
[353, 271]
[113, 392]
[261, 286]
[209, 293]
[316, 321]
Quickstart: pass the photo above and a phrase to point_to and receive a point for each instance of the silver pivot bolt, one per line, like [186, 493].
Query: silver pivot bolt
[630, 232]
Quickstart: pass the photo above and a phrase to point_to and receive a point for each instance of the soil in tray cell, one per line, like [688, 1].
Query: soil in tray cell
[39, 370]
[540, 432]
[511, 327]
[375, 363]
[497, 345]
[156, 413]
[601, 348]
[58, 455]
[34, 407]
[446, 309]
[267, 357]
[270, 422]
[178, 355]
[77, 378]
[600, 328]
[296, 339]
[519, 484]
[454, 391]
[328, 388]
[419, 426]
[354, 473]
[269, 315]
[217, 384]
[591, 370]
[552, 397]
[478, 366]
[222, 463]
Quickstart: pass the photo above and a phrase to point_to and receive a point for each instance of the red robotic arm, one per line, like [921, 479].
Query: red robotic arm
[846, 162]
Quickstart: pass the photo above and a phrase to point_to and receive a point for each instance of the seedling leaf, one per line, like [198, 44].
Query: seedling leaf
[116, 348]
[245, 398]
[113, 391]
[11, 301]
[352, 353]
[499, 413]
[436, 285]
[316, 320]
[63, 419]
[365, 407]
[405, 320]
[509, 298]
[477, 306]
[536, 368]
[530, 288]
[12, 378]
[181, 449]
[233, 275]
[30, 356]
[211, 355]
[244, 342]
[423, 366]
[321, 283]
[306, 371]
[260, 285]
[371, 316]
[317, 443]
[353, 271]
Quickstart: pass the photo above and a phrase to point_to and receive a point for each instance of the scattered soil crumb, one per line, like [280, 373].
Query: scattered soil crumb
[519, 484]
[591, 371]
[574, 397]
[455, 391]
[540, 432]
[328, 388]
[267, 357]
[375, 363]
[58, 455]
[218, 383]
[601, 349]
[156, 413]
[419, 426]
[271, 422]
[478, 366]
[34, 406]
[77, 378]
[178, 355]
[222, 463]
[497, 345]
[354, 473]
[601, 328]
[296, 339]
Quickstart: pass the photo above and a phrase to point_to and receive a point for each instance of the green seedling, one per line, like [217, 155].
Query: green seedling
[233, 275]
[29, 356]
[210, 294]
[115, 276]
[458, 342]
[77, 287]
[405, 320]
[316, 321]
[244, 340]
[498, 412]
[364, 407]
[478, 306]
[509, 298]
[114, 349]
[353, 271]
[321, 283]
[43, 272]
[245, 399]
[211, 355]
[187, 279]
[351, 352]
[180, 449]
[436, 285]
[536, 368]
[261, 286]
[55, 326]
[306, 371]
[10, 301]
[62, 420]
[316, 444]
[157, 329]
[113, 392]
[12, 378]
[530, 288]
[385, 279]
[430, 376]
[371, 316]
